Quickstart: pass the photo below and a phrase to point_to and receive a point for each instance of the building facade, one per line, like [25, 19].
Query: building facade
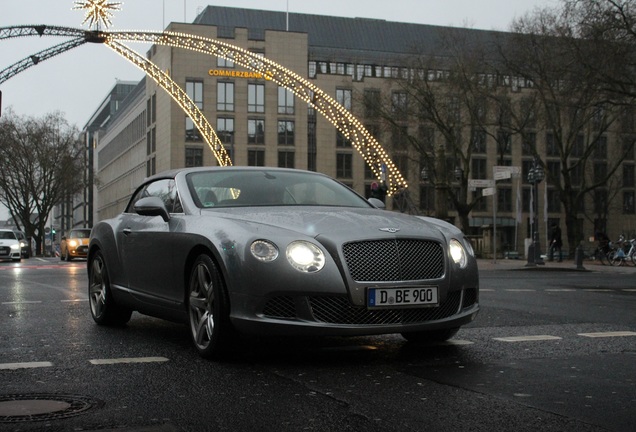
[262, 124]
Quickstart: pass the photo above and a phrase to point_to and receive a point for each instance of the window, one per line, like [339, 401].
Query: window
[344, 165]
[256, 131]
[286, 159]
[224, 63]
[256, 157]
[285, 101]
[372, 103]
[479, 141]
[427, 197]
[399, 138]
[576, 173]
[504, 199]
[343, 96]
[529, 143]
[504, 141]
[225, 96]
[628, 175]
[225, 130]
[193, 157]
[600, 201]
[479, 168]
[600, 172]
[194, 90]
[600, 150]
[341, 141]
[164, 189]
[554, 171]
[285, 132]
[399, 102]
[551, 148]
[579, 146]
[256, 98]
[628, 202]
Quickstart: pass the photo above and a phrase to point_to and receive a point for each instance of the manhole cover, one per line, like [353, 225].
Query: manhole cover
[38, 407]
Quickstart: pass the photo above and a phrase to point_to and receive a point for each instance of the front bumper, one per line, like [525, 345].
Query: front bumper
[336, 316]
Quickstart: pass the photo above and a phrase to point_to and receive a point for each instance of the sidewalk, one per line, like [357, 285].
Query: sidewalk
[565, 265]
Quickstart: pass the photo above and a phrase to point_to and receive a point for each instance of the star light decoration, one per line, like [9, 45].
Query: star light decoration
[98, 11]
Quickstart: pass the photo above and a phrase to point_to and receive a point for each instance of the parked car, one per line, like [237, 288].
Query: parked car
[25, 244]
[75, 244]
[9, 246]
[274, 251]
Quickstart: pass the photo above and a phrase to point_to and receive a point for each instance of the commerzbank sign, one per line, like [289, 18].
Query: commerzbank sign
[238, 74]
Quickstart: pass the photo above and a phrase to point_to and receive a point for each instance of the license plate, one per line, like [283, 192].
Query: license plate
[393, 297]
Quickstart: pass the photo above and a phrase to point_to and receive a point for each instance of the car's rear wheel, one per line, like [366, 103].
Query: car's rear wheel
[208, 308]
[430, 336]
[104, 309]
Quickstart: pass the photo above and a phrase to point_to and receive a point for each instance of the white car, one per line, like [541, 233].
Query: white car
[9, 246]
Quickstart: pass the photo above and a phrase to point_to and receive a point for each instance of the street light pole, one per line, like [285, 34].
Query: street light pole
[536, 174]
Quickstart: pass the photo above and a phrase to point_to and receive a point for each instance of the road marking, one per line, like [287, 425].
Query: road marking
[559, 290]
[455, 342]
[629, 290]
[25, 365]
[527, 338]
[128, 360]
[521, 290]
[21, 302]
[608, 334]
[74, 300]
[598, 290]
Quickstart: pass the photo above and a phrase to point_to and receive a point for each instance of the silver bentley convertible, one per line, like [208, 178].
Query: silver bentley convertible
[273, 251]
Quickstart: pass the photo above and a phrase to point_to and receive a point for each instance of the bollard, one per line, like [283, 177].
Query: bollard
[531, 262]
[578, 258]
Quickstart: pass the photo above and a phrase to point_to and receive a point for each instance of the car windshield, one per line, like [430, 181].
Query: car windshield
[7, 235]
[232, 188]
[79, 234]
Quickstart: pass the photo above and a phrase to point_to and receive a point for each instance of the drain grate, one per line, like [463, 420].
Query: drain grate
[16, 408]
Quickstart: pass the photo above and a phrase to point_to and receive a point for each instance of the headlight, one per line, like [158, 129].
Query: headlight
[72, 243]
[458, 253]
[15, 246]
[23, 244]
[305, 257]
[264, 250]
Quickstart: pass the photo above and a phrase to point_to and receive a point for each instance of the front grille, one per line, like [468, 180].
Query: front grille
[5, 250]
[394, 260]
[470, 297]
[338, 310]
[280, 307]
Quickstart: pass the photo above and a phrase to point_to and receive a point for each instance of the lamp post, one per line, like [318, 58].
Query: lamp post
[536, 174]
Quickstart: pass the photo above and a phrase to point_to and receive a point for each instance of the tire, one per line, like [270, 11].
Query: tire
[430, 336]
[104, 309]
[208, 309]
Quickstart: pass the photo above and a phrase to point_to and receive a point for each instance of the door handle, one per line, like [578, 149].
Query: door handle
[127, 231]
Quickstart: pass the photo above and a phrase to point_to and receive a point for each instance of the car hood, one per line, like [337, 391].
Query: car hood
[343, 223]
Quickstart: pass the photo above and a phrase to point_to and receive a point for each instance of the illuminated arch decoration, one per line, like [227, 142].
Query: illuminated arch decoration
[345, 122]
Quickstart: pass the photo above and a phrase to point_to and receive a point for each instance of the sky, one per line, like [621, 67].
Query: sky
[75, 82]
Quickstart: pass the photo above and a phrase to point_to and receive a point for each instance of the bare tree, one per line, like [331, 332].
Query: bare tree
[41, 162]
[575, 107]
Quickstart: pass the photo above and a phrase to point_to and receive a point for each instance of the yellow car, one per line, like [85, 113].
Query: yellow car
[75, 245]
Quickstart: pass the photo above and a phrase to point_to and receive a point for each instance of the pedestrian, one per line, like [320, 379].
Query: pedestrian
[378, 190]
[555, 242]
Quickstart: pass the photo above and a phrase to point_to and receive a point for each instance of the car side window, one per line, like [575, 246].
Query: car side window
[165, 189]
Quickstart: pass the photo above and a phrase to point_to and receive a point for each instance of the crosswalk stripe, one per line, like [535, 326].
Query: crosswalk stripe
[527, 338]
[128, 360]
[25, 365]
[608, 334]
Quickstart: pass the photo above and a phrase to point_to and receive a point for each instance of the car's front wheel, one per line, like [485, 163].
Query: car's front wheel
[104, 309]
[430, 336]
[208, 308]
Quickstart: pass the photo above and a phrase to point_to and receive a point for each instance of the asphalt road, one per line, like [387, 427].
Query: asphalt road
[553, 349]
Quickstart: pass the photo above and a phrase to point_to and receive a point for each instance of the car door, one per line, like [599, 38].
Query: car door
[147, 255]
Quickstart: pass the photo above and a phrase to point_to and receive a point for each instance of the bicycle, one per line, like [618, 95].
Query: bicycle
[619, 256]
[602, 253]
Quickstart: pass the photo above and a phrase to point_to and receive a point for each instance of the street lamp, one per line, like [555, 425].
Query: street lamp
[536, 174]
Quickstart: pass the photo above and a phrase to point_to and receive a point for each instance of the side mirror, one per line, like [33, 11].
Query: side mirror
[377, 203]
[152, 206]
